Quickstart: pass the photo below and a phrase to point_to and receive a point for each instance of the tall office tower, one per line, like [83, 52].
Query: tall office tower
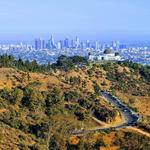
[88, 45]
[21, 45]
[36, 44]
[73, 44]
[59, 46]
[66, 43]
[97, 46]
[39, 44]
[118, 44]
[62, 43]
[115, 45]
[51, 43]
[43, 44]
[83, 45]
[48, 45]
[77, 42]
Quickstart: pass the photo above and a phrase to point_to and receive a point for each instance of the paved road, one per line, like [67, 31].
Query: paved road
[130, 116]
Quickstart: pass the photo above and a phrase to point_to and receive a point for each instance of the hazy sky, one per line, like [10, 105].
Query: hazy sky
[89, 19]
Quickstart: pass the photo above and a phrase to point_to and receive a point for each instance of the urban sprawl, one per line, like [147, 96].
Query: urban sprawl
[48, 51]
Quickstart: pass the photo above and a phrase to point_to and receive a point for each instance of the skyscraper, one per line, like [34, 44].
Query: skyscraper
[77, 42]
[115, 45]
[51, 43]
[59, 46]
[88, 44]
[36, 44]
[97, 46]
[83, 45]
[39, 44]
[73, 44]
[66, 43]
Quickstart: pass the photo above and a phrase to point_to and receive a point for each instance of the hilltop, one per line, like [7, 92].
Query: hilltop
[41, 105]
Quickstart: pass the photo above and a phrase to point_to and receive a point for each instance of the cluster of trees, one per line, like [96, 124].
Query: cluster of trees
[33, 100]
[68, 63]
[50, 104]
[143, 70]
[54, 102]
[33, 66]
[86, 146]
[81, 115]
[89, 103]
[126, 82]
[64, 62]
[81, 145]
[13, 96]
[105, 114]
[71, 96]
[30, 102]
[86, 103]
[75, 80]
[108, 66]
[132, 141]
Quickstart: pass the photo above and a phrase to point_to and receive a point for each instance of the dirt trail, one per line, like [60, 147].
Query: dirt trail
[101, 123]
[140, 131]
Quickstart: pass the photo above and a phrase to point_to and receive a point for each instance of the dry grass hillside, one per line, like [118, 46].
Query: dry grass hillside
[39, 110]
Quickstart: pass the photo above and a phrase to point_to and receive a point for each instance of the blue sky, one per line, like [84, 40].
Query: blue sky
[89, 19]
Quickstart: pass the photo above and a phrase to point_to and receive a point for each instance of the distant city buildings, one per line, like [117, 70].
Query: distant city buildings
[49, 50]
[65, 44]
[115, 45]
[39, 44]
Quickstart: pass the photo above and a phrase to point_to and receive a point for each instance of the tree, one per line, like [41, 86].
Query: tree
[17, 96]
[40, 130]
[32, 98]
[53, 97]
[80, 114]
[65, 63]
[79, 59]
[71, 96]
[98, 144]
[53, 144]
[35, 99]
[10, 61]
[145, 72]
[6, 94]
[97, 89]
[53, 102]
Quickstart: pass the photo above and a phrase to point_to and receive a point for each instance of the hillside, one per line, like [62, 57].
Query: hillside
[41, 106]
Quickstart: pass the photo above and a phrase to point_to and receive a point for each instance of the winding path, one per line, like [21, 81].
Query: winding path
[140, 131]
[131, 118]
